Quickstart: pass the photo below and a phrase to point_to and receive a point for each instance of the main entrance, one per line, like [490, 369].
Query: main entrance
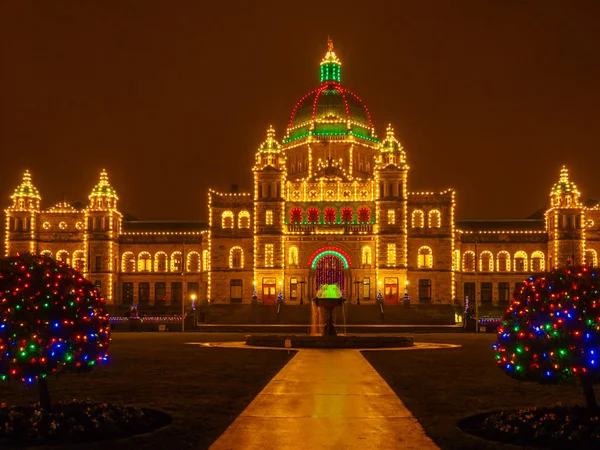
[330, 265]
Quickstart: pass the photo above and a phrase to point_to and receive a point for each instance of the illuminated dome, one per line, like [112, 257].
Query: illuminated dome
[331, 111]
[26, 189]
[103, 188]
[564, 192]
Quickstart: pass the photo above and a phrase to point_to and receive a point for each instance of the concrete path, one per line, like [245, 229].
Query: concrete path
[325, 399]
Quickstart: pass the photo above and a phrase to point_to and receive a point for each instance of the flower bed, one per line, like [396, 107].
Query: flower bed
[74, 422]
[558, 427]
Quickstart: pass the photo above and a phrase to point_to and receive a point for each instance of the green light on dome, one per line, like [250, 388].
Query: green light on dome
[330, 70]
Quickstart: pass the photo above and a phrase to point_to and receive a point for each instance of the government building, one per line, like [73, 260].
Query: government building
[330, 205]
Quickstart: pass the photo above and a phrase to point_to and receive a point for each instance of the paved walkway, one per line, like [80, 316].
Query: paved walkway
[325, 399]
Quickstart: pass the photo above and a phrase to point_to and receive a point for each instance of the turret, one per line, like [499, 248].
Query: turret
[21, 222]
[565, 223]
[103, 226]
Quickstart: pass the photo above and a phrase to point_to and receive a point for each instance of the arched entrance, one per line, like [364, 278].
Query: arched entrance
[330, 265]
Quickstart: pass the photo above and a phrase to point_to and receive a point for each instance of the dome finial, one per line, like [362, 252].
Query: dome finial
[26, 189]
[330, 65]
[329, 44]
[270, 145]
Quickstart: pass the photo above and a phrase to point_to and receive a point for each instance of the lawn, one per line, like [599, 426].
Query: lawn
[203, 389]
[440, 387]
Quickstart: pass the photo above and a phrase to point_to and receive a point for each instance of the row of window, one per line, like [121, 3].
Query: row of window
[501, 263]
[77, 261]
[160, 298]
[330, 215]
[228, 219]
[487, 292]
[161, 262]
[434, 218]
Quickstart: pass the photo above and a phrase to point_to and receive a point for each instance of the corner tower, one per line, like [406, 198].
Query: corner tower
[565, 223]
[22, 217]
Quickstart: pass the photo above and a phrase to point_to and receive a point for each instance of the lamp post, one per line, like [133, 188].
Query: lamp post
[254, 293]
[193, 298]
[280, 296]
[379, 294]
[301, 283]
[356, 288]
[406, 299]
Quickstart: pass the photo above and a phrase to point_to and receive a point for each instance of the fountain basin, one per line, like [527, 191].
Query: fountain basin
[345, 341]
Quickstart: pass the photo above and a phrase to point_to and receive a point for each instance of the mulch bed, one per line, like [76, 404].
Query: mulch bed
[558, 427]
[75, 422]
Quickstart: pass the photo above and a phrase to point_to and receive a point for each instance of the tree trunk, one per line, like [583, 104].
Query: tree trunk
[588, 392]
[44, 394]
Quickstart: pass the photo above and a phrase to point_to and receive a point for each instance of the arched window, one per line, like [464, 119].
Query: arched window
[537, 261]
[144, 262]
[486, 261]
[347, 215]
[193, 262]
[227, 219]
[63, 256]
[456, 261]
[128, 262]
[367, 255]
[244, 219]
[313, 215]
[364, 215]
[330, 215]
[434, 217]
[296, 215]
[236, 258]
[160, 262]
[418, 219]
[293, 256]
[591, 257]
[205, 260]
[503, 261]
[520, 261]
[176, 262]
[425, 258]
[46, 253]
[468, 262]
[79, 260]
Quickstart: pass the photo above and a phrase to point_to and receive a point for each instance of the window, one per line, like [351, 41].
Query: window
[520, 261]
[205, 260]
[391, 255]
[144, 293]
[235, 290]
[367, 255]
[313, 215]
[269, 217]
[537, 261]
[176, 294]
[503, 292]
[236, 258]
[98, 265]
[503, 262]
[424, 291]
[434, 217]
[268, 255]
[63, 256]
[160, 262]
[469, 262]
[128, 293]
[79, 260]
[144, 262]
[391, 217]
[128, 262]
[364, 215]
[347, 215]
[486, 293]
[176, 263]
[193, 262]
[330, 215]
[418, 219]
[486, 261]
[244, 219]
[366, 288]
[296, 215]
[293, 256]
[227, 219]
[46, 253]
[160, 293]
[293, 288]
[425, 258]
[469, 292]
[591, 257]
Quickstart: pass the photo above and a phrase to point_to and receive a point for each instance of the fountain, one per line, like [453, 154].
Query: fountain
[328, 297]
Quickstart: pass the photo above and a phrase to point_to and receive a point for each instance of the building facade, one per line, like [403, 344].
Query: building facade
[330, 205]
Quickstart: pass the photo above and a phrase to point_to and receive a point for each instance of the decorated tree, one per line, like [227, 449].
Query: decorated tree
[51, 320]
[551, 332]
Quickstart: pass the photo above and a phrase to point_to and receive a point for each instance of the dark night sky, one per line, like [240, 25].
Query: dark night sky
[174, 97]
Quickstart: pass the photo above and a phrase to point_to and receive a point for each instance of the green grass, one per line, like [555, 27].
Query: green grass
[440, 387]
[203, 389]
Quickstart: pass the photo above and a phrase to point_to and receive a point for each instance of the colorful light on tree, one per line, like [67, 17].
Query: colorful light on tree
[551, 332]
[51, 320]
